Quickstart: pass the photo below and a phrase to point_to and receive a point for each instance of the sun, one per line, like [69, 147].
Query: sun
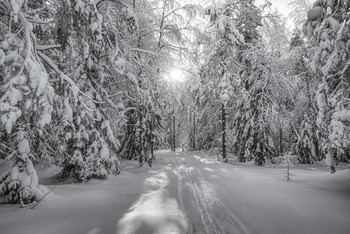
[177, 75]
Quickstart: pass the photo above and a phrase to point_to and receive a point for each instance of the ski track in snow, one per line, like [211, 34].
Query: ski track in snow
[209, 223]
[204, 198]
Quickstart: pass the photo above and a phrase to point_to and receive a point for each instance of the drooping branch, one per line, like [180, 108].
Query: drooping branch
[46, 47]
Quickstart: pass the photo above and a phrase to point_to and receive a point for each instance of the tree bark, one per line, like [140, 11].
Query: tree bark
[281, 141]
[223, 126]
[174, 131]
[194, 131]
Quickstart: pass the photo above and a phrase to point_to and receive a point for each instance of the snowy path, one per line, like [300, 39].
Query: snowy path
[223, 198]
[249, 199]
[191, 193]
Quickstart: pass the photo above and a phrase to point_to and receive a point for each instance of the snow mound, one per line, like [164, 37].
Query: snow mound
[155, 211]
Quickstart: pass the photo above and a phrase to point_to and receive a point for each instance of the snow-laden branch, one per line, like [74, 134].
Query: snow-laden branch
[144, 51]
[74, 88]
[34, 11]
[116, 94]
[54, 66]
[28, 28]
[46, 47]
[36, 21]
[6, 4]
[129, 97]
[186, 7]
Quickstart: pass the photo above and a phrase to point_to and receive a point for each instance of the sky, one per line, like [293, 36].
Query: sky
[281, 5]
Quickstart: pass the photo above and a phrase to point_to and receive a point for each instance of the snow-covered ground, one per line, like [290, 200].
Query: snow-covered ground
[191, 193]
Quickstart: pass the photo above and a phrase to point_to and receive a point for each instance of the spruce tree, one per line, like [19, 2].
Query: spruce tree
[253, 140]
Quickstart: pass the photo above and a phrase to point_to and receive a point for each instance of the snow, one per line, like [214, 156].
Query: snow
[191, 193]
[314, 13]
[2, 57]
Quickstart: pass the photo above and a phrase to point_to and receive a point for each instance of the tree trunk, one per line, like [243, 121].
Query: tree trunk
[194, 131]
[174, 132]
[281, 141]
[223, 125]
[151, 138]
[141, 153]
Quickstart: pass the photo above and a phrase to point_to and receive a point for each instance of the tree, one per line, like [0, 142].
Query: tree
[251, 119]
[253, 133]
[328, 26]
[299, 10]
[63, 99]
[135, 58]
[172, 21]
[216, 77]
[88, 145]
[274, 32]
[26, 100]
[238, 50]
[304, 110]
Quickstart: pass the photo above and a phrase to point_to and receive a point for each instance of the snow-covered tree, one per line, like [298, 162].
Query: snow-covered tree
[299, 9]
[328, 25]
[239, 61]
[144, 128]
[61, 82]
[27, 98]
[253, 133]
[171, 20]
[20, 184]
[255, 108]
[303, 108]
[217, 75]
[86, 141]
[305, 145]
[274, 32]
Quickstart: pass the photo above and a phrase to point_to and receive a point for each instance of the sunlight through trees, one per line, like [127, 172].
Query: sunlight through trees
[85, 84]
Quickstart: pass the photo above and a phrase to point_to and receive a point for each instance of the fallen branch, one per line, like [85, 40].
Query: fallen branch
[42, 197]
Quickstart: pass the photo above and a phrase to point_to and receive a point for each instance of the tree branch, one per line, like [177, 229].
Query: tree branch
[46, 47]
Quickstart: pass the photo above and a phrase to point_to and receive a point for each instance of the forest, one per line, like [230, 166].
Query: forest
[87, 84]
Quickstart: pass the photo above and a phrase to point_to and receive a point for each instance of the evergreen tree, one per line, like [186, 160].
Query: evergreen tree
[328, 26]
[253, 134]
[238, 50]
[27, 100]
[65, 116]
[307, 144]
[251, 120]
[137, 78]
[88, 146]
[217, 76]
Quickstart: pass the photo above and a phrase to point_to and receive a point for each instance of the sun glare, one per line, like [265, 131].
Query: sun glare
[176, 75]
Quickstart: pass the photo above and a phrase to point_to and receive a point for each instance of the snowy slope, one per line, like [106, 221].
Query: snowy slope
[191, 193]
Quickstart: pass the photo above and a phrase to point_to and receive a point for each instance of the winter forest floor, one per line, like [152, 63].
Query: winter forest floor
[191, 193]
